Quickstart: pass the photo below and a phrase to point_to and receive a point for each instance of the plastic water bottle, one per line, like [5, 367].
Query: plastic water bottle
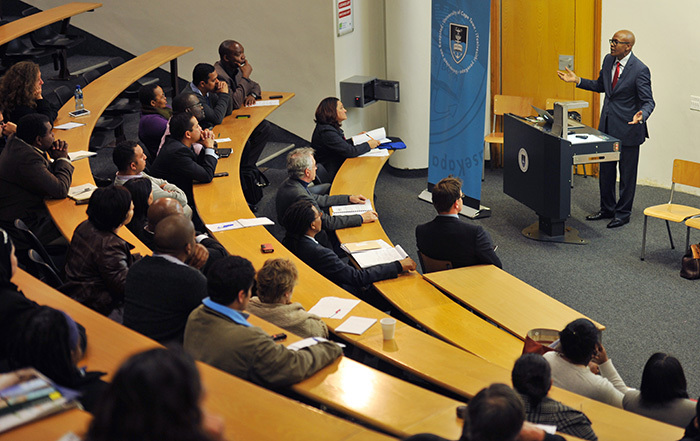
[78, 98]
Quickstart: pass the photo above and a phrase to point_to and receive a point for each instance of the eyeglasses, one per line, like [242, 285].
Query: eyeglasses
[200, 105]
[615, 42]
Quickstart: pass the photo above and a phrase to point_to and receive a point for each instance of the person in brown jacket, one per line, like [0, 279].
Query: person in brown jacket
[27, 177]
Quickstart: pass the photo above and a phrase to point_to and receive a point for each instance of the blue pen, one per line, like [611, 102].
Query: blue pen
[226, 226]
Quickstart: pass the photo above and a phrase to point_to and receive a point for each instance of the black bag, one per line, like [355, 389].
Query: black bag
[253, 181]
[690, 265]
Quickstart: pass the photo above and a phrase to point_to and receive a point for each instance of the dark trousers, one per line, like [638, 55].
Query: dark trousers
[255, 145]
[622, 208]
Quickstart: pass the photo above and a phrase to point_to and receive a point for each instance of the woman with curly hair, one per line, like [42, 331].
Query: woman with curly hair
[21, 93]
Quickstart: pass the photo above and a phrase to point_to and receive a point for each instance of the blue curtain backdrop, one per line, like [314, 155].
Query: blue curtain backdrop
[459, 65]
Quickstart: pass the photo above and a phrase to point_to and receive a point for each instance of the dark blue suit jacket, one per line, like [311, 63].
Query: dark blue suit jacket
[631, 94]
[462, 243]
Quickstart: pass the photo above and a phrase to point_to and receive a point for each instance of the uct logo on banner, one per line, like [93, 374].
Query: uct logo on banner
[462, 39]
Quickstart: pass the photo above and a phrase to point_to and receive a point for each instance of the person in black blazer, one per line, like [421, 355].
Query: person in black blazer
[448, 238]
[303, 221]
[329, 140]
[628, 104]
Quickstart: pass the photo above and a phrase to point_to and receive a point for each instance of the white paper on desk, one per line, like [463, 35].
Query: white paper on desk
[222, 140]
[305, 343]
[356, 247]
[356, 325]
[376, 257]
[375, 153]
[378, 134]
[349, 210]
[591, 138]
[261, 103]
[240, 223]
[80, 154]
[547, 428]
[81, 192]
[333, 307]
[68, 126]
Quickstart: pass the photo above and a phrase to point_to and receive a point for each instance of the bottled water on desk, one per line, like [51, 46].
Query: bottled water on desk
[78, 98]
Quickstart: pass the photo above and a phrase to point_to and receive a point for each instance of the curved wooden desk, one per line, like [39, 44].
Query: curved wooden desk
[97, 96]
[25, 25]
[358, 175]
[246, 408]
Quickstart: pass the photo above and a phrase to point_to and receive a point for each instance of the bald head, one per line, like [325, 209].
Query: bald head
[174, 235]
[226, 47]
[629, 35]
[621, 44]
[231, 55]
[162, 208]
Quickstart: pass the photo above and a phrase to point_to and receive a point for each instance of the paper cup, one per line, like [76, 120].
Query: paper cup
[388, 327]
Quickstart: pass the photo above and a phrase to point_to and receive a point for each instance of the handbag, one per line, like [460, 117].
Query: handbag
[253, 181]
[538, 341]
[690, 264]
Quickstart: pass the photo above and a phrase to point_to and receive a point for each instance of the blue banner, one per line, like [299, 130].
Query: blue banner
[459, 66]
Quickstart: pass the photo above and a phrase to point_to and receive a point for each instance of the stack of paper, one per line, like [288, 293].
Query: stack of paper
[375, 153]
[81, 193]
[370, 255]
[349, 210]
[356, 325]
[80, 154]
[240, 223]
[333, 307]
[378, 134]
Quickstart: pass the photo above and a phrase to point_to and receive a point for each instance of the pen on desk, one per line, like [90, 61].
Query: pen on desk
[331, 316]
[272, 97]
[226, 226]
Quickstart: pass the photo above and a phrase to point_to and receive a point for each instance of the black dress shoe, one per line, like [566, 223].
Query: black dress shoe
[599, 215]
[618, 222]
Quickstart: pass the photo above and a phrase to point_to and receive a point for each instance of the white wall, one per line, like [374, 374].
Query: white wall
[667, 38]
[290, 44]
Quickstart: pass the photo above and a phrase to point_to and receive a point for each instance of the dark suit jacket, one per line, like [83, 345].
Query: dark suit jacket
[178, 164]
[463, 244]
[215, 108]
[332, 148]
[292, 190]
[159, 296]
[632, 93]
[329, 265]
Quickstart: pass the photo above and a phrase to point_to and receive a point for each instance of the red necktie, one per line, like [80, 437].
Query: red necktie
[617, 74]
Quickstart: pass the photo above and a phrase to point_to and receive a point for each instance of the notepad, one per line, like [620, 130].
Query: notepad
[240, 223]
[222, 140]
[349, 210]
[81, 193]
[356, 325]
[333, 307]
[377, 134]
[375, 153]
[261, 103]
[385, 254]
[68, 126]
[354, 247]
[80, 154]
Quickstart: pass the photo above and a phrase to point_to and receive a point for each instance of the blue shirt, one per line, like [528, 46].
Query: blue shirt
[238, 317]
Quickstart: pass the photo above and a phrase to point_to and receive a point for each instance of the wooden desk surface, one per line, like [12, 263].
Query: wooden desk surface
[414, 296]
[25, 25]
[97, 97]
[246, 408]
[505, 299]
[376, 398]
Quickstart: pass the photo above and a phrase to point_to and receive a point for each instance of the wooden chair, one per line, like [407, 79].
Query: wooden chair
[684, 173]
[430, 265]
[693, 222]
[503, 104]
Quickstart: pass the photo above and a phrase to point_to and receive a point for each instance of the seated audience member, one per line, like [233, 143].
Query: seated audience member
[579, 346]
[692, 430]
[329, 140]
[447, 237]
[234, 69]
[301, 168]
[142, 197]
[187, 102]
[98, 259]
[218, 333]
[161, 290]
[130, 160]
[303, 221]
[275, 283]
[21, 93]
[212, 93]
[27, 177]
[662, 394]
[532, 379]
[496, 413]
[6, 129]
[207, 250]
[179, 164]
[49, 341]
[155, 114]
[155, 395]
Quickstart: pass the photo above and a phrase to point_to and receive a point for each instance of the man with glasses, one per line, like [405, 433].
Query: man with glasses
[628, 103]
[448, 238]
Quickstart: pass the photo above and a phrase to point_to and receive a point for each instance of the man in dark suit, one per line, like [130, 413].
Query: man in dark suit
[448, 238]
[179, 164]
[626, 82]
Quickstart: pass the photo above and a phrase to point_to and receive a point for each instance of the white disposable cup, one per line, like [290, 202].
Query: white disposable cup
[388, 327]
